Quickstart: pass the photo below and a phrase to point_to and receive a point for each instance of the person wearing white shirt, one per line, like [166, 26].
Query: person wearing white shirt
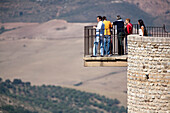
[99, 37]
[142, 28]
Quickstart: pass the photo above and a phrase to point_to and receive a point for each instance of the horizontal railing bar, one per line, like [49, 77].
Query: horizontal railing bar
[90, 34]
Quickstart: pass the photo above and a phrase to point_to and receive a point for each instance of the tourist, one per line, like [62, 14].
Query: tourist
[128, 30]
[120, 34]
[142, 28]
[129, 27]
[107, 35]
[99, 37]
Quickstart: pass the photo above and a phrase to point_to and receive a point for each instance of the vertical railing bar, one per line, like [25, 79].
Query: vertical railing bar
[162, 31]
[114, 41]
[103, 42]
[124, 44]
[153, 31]
[92, 41]
[137, 29]
[111, 43]
[84, 41]
[88, 41]
[99, 43]
[157, 31]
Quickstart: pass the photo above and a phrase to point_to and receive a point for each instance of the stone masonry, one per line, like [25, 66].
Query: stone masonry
[148, 74]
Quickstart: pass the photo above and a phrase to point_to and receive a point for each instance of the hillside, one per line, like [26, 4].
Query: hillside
[22, 97]
[51, 53]
[155, 8]
[152, 12]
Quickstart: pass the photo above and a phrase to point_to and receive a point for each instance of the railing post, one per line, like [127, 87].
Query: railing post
[84, 41]
[157, 31]
[99, 44]
[164, 27]
[92, 41]
[152, 32]
[124, 44]
[111, 42]
[162, 30]
[88, 41]
[137, 29]
[114, 39]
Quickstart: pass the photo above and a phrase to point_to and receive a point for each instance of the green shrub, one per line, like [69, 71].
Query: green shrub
[57, 99]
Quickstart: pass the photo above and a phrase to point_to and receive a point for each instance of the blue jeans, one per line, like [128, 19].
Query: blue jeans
[106, 44]
[96, 42]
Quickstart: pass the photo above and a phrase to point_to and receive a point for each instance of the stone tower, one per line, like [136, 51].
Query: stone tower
[148, 74]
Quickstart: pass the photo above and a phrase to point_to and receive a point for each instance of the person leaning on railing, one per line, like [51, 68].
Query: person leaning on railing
[107, 35]
[128, 30]
[99, 37]
[142, 29]
[120, 34]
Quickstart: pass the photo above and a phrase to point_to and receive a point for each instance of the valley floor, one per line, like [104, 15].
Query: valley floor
[52, 53]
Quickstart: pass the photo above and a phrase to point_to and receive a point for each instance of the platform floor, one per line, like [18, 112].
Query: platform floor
[110, 61]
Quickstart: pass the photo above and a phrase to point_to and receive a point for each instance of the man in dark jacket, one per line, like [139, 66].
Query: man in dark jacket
[120, 34]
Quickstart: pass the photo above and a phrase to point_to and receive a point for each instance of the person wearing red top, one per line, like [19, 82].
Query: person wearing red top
[128, 30]
[129, 27]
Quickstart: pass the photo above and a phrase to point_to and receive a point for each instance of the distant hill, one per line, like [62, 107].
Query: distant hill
[152, 12]
[21, 97]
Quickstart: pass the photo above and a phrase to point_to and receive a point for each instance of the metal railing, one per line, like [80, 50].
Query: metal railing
[152, 31]
[90, 34]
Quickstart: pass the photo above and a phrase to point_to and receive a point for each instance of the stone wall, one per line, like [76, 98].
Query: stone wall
[148, 74]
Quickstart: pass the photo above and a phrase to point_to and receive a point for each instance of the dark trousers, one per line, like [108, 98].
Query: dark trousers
[111, 45]
[120, 43]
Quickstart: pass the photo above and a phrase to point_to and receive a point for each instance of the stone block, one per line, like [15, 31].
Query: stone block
[148, 55]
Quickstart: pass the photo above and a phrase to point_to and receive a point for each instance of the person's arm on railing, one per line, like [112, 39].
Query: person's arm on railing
[94, 27]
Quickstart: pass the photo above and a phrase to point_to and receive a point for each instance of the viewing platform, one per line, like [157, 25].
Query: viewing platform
[114, 60]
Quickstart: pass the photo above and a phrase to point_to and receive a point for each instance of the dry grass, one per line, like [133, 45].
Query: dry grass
[45, 54]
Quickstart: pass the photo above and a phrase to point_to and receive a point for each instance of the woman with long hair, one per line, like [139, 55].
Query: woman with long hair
[142, 29]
